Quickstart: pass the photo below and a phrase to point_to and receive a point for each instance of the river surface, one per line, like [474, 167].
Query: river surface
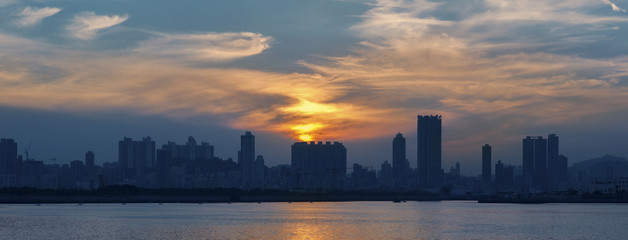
[318, 220]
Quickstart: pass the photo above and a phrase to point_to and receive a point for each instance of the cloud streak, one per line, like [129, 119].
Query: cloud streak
[614, 6]
[206, 47]
[86, 25]
[32, 16]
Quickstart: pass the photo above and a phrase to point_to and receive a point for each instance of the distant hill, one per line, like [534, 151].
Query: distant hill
[607, 166]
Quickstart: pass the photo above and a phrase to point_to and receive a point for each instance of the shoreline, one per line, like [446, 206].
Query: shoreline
[81, 199]
[209, 199]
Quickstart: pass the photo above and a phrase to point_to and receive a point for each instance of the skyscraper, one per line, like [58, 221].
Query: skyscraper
[429, 150]
[400, 166]
[540, 162]
[246, 159]
[535, 162]
[552, 161]
[486, 163]
[318, 165]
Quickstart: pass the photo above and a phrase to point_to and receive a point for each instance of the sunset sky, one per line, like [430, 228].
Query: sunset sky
[81, 75]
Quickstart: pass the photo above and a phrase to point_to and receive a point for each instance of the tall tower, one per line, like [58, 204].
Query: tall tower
[400, 170]
[535, 162]
[486, 163]
[429, 150]
[540, 162]
[246, 158]
[552, 161]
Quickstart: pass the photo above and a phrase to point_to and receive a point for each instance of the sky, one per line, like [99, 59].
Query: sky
[81, 75]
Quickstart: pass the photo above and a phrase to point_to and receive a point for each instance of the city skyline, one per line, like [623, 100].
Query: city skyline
[85, 74]
[314, 166]
[548, 154]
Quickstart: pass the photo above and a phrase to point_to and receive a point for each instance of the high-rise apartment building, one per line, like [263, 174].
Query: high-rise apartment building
[246, 159]
[318, 165]
[486, 163]
[429, 131]
[400, 163]
[136, 157]
[552, 161]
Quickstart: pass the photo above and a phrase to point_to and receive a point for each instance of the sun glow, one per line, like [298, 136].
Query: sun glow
[307, 132]
[307, 107]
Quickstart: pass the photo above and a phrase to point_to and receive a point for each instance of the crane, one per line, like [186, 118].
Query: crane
[26, 150]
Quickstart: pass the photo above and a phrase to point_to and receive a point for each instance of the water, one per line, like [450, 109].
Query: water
[333, 220]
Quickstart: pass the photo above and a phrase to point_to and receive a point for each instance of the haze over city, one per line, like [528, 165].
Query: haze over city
[81, 75]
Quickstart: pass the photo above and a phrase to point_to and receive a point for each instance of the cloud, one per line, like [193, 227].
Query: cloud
[494, 73]
[31, 16]
[493, 64]
[207, 47]
[613, 6]
[86, 25]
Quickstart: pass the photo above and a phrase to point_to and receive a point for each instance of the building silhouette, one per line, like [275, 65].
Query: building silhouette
[246, 159]
[89, 160]
[385, 175]
[499, 174]
[185, 165]
[362, 178]
[528, 161]
[543, 168]
[486, 163]
[318, 166]
[429, 135]
[504, 176]
[8, 156]
[540, 162]
[137, 158]
[190, 150]
[259, 172]
[9, 163]
[561, 173]
[401, 166]
[455, 171]
[552, 161]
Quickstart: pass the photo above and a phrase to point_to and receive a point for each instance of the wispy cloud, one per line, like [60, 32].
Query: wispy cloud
[31, 16]
[614, 6]
[86, 25]
[208, 46]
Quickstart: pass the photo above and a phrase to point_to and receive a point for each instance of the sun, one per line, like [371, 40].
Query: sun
[306, 138]
[306, 132]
